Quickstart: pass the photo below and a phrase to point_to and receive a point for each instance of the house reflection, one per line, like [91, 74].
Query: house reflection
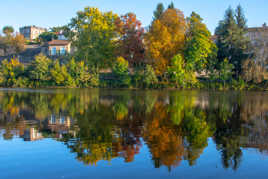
[31, 134]
[60, 125]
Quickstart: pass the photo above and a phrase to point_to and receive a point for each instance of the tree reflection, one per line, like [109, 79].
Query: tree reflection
[163, 138]
[99, 125]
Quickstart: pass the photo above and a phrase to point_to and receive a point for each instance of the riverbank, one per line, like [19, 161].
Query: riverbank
[211, 86]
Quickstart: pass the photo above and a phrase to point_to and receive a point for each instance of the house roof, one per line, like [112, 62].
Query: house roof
[256, 29]
[58, 42]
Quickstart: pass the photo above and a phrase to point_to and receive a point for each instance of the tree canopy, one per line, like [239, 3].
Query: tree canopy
[94, 36]
[165, 39]
[199, 46]
[130, 44]
[8, 30]
[231, 40]
[159, 11]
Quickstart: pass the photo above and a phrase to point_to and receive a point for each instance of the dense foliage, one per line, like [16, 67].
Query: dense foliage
[94, 37]
[232, 42]
[116, 51]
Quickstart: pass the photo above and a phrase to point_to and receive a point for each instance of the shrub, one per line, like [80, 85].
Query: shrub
[179, 75]
[120, 71]
[59, 74]
[149, 77]
[239, 84]
[39, 70]
[10, 72]
[144, 77]
[81, 76]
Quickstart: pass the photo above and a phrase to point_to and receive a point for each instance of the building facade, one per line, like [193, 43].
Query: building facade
[258, 37]
[57, 48]
[31, 32]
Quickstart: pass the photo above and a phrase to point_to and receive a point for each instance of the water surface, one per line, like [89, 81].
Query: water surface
[133, 134]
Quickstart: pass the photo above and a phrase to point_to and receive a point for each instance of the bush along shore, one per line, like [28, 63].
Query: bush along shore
[46, 73]
[174, 52]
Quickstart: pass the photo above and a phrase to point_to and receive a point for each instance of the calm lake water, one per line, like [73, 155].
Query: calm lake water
[133, 134]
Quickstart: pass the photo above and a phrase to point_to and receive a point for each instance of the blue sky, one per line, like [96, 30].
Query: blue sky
[49, 13]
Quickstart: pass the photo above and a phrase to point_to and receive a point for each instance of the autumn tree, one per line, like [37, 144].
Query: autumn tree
[18, 43]
[94, 36]
[130, 44]
[163, 138]
[199, 45]
[165, 39]
[11, 44]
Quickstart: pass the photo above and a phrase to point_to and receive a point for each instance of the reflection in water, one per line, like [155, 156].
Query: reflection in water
[102, 125]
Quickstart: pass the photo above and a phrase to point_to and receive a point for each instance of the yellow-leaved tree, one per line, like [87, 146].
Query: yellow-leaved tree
[165, 39]
[94, 35]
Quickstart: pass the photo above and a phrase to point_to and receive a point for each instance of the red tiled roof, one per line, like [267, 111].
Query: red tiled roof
[58, 42]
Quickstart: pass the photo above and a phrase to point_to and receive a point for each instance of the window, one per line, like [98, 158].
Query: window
[53, 51]
[53, 119]
[62, 51]
[62, 120]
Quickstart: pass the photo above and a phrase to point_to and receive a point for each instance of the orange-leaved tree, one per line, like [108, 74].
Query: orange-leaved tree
[131, 34]
[165, 39]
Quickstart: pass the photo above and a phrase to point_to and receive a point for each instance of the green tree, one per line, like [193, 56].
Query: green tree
[199, 47]
[59, 74]
[8, 30]
[80, 74]
[171, 6]
[47, 36]
[240, 17]
[149, 77]
[12, 73]
[224, 73]
[178, 73]
[231, 40]
[120, 70]
[159, 11]
[144, 77]
[94, 36]
[39, 70]
[197, 132]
